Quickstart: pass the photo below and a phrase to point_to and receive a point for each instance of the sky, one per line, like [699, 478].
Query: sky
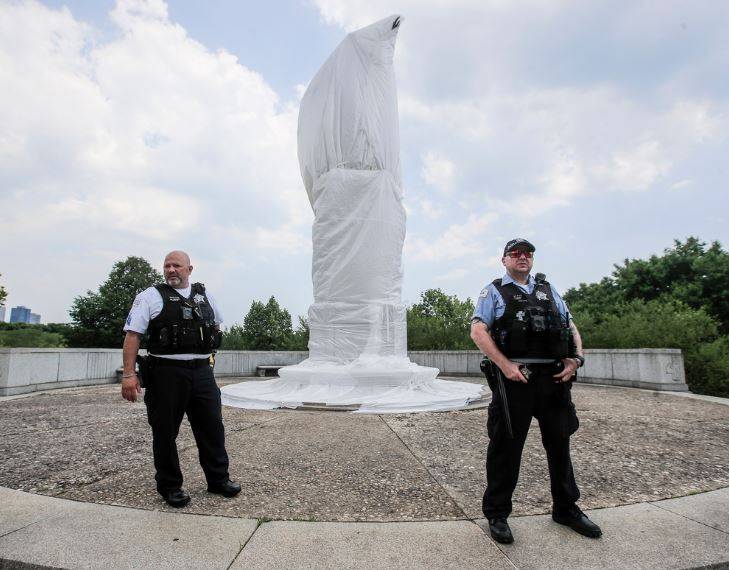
[597, 130]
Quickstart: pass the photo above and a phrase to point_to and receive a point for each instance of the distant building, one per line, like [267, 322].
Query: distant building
[2, 313]
[20, 314]
[34, 319]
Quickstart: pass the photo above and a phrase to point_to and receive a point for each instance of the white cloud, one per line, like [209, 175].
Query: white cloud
[453, 275]
[431, 210]
[522, 117]
[638, 169]
[438, 171]
[457, 241]
[150, 140]
[681, 184]
[148, 136]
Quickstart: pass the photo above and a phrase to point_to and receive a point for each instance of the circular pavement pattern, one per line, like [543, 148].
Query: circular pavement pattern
[88, 444]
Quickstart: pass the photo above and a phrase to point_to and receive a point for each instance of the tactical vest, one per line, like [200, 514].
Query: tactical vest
[531, 326]
[184, 326]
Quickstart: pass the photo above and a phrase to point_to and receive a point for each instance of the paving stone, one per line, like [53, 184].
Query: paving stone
[88, 444]
[74, 409]
[83, 535]
[331, 466]
[19, 510]
[711, 509]
[634, 536]
[454, 544]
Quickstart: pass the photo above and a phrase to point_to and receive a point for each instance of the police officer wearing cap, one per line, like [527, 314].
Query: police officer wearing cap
[524, 328]
[181, 322]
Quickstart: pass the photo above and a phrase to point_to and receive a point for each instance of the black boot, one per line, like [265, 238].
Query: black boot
[175, 497]
[577, 521]
[227, 488]
[500, 530]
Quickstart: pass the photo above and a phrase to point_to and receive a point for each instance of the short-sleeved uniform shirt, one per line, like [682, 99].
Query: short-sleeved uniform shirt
[148, 304]
[491, 305]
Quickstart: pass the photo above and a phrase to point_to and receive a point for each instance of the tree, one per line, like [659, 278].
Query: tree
[676, 300]
[439, 322]
[300, 337]
[267, 327]
[106, 311]
[3, 294]
[690, 272]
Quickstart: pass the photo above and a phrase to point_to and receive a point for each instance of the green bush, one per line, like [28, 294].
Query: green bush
[652, 324]
[708, 368]
[30, 338]
[665, 324]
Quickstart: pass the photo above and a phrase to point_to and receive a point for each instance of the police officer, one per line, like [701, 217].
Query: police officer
[181, 322]
[523, 326]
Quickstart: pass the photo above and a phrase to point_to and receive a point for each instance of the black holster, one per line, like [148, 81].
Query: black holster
[495, 379]
[144, 373]
[488, 369]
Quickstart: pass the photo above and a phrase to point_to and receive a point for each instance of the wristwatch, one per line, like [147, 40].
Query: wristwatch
[580, 359]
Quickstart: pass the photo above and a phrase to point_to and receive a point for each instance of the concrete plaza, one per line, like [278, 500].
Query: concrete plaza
[342, 490]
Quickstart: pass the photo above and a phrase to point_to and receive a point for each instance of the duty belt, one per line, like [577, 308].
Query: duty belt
[194, 363]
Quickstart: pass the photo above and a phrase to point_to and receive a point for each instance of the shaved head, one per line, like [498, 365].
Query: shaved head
[179, 254]
[177, 269]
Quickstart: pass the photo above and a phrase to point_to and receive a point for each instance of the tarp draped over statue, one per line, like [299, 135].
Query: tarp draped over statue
[349, 155]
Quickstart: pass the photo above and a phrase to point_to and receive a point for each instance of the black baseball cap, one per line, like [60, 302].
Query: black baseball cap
[520, 243]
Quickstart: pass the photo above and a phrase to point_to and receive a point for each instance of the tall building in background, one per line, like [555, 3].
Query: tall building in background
[20, 314]
[2, 313]
[34, 319]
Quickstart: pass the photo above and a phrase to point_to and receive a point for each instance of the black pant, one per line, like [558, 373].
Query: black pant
[176, 390]
[551, 404]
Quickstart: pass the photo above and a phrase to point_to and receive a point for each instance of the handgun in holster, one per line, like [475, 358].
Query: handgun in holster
[495, 379]
[144, 373]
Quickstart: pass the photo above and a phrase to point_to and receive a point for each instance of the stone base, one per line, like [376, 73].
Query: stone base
[371, 388]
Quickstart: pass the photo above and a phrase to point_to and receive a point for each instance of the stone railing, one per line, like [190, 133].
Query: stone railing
[31, 369]
[25, 370]
[650, 368]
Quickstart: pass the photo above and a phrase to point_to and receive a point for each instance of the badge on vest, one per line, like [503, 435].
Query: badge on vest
[541, 295]
[198, 298]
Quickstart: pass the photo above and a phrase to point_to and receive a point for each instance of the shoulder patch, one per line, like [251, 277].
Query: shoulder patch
[484, 292]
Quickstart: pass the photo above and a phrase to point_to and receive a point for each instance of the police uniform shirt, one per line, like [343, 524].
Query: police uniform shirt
[491, 304]
[148, 304]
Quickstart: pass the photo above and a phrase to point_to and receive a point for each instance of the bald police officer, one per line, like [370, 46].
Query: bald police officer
[182, 324]
[524, 327]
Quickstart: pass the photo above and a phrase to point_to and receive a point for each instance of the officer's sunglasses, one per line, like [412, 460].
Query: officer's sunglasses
[516, 254]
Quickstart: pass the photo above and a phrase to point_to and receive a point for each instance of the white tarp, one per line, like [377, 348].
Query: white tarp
[349, 155]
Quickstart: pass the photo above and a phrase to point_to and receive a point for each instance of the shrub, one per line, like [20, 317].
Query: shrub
[30, 338]
[708, 368]
[652, 324]
[665, 324]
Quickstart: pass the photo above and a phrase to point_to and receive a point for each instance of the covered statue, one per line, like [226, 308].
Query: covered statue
[349, 155]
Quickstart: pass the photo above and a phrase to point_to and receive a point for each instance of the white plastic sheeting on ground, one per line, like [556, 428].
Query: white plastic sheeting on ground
[349, 154]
